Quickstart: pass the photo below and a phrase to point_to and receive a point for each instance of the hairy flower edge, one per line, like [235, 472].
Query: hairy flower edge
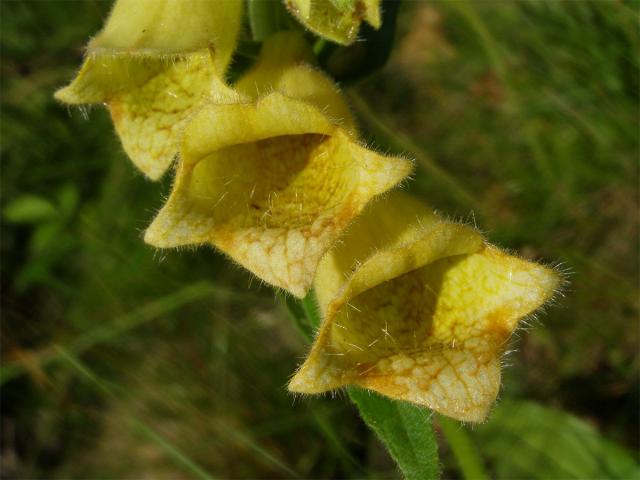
[419, 309]
[273, 180]
[273, 186]
[152, 64]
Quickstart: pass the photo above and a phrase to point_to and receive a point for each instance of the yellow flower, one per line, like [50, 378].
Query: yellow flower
[273, 181]
[337, 20]
[153, 61]
[419, 309]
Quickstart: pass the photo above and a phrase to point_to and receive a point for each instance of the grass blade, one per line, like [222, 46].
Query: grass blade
[118, 326]
[179, 457]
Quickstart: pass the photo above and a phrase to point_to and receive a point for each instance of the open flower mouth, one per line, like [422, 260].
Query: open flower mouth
[425, 320]
[277, 203]
[280, 182]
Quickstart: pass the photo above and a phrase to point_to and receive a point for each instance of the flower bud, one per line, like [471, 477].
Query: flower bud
[419, 309]
[336, 20]
[151, 64]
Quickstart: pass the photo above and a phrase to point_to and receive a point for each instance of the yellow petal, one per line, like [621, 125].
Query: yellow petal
[336, 20]
[285, 66]
[419, 311]
[152, 64]
[273, 186]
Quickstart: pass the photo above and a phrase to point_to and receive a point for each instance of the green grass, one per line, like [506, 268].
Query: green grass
[123, 361]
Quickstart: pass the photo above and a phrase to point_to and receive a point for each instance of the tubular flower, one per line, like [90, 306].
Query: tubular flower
[424, 312]
[151, 64]
[337, 20]
[273, 181]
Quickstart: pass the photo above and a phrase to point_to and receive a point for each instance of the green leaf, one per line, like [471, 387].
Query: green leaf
[527, 440]
[303, 312]
[29, 209]
[405, 430]
[297, 313]
[310, 307]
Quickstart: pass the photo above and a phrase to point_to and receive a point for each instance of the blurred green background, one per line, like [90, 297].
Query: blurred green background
[121, 361]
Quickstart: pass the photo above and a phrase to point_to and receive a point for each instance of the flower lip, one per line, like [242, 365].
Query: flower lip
[426, 314]
[152, 65]
[273, 178]
[242, 123]
[436, 242]
[273, 185]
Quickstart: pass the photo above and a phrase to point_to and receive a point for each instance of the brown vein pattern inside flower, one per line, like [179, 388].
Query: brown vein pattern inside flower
[149, 118]
[433, 335]
[272, 186]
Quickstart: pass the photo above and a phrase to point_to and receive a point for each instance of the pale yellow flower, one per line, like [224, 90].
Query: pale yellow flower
[274, 180]
[153, 61]
[419, 309]
[337, 20]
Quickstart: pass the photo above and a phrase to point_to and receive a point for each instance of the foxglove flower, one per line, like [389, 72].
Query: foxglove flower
[274, 180]
[419, 309]
[151, 64]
